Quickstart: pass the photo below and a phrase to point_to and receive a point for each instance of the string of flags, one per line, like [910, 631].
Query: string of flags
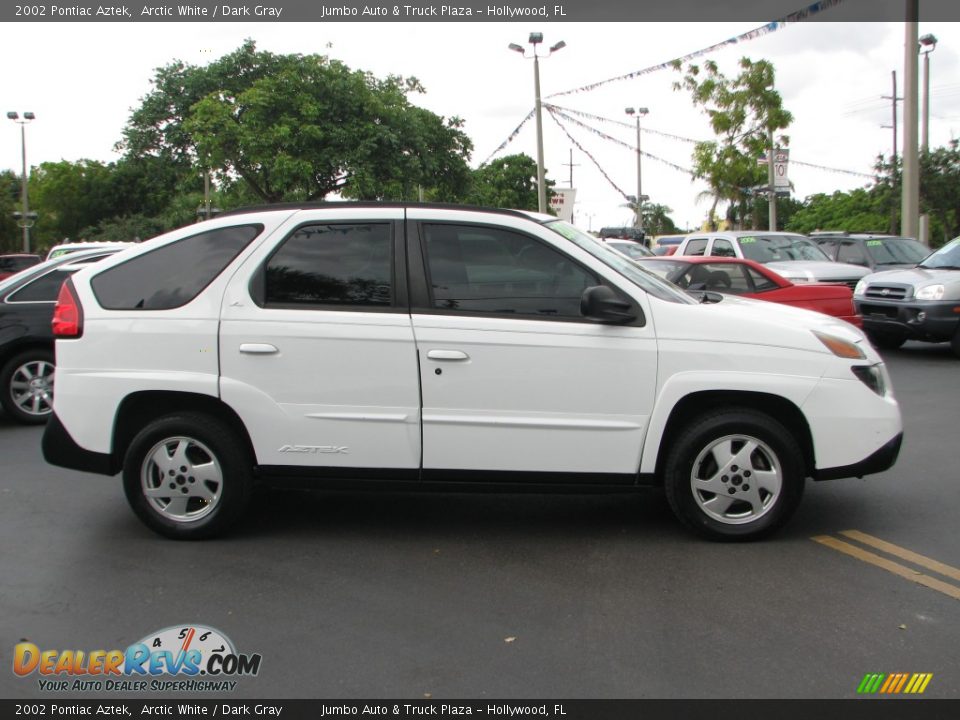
[582, 149]
[797, 16]
[510, 138]
[681, 138]
[555, 111]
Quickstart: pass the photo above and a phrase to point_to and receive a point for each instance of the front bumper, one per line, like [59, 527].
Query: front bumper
[882, 459]
[930, 320]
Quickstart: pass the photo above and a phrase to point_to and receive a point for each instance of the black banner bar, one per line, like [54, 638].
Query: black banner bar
[525, 11]
[873, 708]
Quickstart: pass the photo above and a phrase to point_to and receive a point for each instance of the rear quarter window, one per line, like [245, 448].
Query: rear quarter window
[173, 275]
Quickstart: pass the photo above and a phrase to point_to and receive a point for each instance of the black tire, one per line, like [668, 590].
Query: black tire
[203, 464]
[754, 510]
[886, 342]
[955, 343]
[32, 372]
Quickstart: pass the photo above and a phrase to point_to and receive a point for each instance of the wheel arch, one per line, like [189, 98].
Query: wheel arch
[695, 404]
[139, 408]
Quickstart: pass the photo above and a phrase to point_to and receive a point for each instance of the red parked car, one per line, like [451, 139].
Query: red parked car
[749, 279]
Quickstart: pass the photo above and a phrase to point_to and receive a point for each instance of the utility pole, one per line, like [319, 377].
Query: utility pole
[910, 203]
[571, 165]
[893, 161]
[771, 180]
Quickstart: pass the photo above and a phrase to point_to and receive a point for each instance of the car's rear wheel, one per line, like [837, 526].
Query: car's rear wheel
[27, 382]
[734, 475]
[187, 476]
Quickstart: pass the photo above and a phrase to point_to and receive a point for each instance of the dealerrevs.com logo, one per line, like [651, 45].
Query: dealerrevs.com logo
[178, 658]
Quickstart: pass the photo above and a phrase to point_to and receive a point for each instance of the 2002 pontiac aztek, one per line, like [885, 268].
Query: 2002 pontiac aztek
[437, 346]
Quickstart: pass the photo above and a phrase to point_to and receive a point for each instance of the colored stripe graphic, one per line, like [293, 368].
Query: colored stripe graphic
[894, 683]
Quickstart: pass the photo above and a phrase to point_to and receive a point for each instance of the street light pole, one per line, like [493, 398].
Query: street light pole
[25, 221]
[535, 39]
[638, 221]
[929, 42]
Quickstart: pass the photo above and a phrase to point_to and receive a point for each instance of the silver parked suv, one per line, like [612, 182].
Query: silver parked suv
[920, 303]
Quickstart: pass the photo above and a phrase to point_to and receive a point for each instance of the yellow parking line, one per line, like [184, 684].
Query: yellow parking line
[904, 554]
[888, 565]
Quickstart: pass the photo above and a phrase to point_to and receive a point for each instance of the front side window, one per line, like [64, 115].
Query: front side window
[340, 264]
[173, 274]
[486, 270]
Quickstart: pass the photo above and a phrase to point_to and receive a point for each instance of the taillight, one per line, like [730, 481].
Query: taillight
[67, 314]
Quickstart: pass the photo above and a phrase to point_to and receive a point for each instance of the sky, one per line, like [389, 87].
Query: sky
[83, 79]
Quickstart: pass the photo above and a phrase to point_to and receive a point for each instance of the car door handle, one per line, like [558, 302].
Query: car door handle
[447, 355]
[258, 348]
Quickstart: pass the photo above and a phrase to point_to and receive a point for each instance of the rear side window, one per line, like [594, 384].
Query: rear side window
[44, 289]
[344, 264]
[697, 246]
[173, 275]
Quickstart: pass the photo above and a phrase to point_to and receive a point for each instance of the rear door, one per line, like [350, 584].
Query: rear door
[317, 351]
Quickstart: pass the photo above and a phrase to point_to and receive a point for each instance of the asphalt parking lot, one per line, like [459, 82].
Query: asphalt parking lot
[351, 595]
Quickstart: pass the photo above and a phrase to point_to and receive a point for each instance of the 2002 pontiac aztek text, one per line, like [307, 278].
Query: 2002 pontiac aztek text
[428, 346]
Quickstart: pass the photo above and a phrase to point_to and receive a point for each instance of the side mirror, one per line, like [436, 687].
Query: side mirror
[600, 303]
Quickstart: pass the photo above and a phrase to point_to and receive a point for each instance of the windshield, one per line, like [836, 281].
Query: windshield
[947, 257]
[643, 279]
[896, 251]
[773, 248]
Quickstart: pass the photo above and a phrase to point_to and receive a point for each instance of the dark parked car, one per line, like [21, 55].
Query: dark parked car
[11, 264]
[877, 252]
[26, 342]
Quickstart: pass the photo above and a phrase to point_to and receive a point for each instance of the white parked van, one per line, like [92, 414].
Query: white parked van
[427, 346]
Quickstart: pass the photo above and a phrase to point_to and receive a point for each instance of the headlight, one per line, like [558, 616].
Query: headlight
[840, 347]
[930, 292]
[861, 288]
[872, 376]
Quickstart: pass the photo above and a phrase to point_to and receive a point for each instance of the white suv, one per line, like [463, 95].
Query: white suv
[428, 346]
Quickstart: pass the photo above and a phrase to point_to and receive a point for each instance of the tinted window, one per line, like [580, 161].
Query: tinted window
[45, 288]
[761, 283]
[488, 270]
[697, 246]
[851, 252]
[723, 248]
[172, 275]
[336, 264]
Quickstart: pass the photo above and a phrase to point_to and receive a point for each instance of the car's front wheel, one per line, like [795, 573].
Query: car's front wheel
[734, 475]
[187, 476]
[27, 382]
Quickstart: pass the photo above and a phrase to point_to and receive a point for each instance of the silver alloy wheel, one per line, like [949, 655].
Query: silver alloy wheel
[31, 387]
[736, 479]
[181, 479]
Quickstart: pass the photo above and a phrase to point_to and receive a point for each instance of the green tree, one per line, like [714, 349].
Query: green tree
[10, 235]
[743, 111]
[509, 182]
[940, 192]
[295, 127]
[859, 210]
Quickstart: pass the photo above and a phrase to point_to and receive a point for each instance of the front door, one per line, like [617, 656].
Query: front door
[513, 378]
